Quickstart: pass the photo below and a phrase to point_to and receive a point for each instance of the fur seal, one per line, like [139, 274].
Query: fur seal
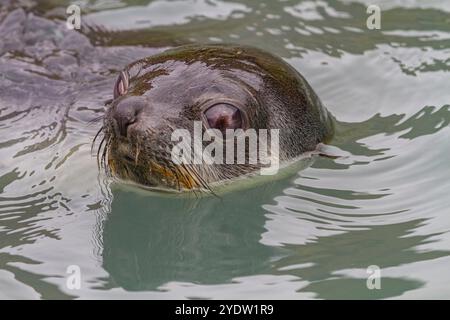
[219, 86]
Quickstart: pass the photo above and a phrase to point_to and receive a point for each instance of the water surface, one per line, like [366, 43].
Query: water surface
[311, 235]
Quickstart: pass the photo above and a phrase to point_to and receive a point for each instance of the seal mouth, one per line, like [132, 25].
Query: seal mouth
[120, 160]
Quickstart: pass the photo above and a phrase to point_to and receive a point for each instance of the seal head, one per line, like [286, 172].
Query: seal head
[221, 86]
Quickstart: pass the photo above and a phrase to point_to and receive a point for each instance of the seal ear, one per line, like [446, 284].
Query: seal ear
[121, 86]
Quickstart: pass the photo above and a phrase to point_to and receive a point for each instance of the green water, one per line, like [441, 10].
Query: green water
[311, 235]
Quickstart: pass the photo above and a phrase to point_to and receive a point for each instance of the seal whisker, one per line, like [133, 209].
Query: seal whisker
[136, 158]
[95, 120]
[98, 151]
[199, 180]
[175, 173]
[96, 136]
[104, 155]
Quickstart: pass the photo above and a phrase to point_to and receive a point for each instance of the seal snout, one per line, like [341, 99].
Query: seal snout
[126, 113]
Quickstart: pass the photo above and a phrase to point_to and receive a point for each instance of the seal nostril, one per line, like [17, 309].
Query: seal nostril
[126, 113]
[123, 124]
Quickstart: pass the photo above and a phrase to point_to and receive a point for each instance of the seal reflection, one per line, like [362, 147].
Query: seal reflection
[149, 239]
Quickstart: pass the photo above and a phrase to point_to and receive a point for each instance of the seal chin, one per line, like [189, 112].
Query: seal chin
[159, 174]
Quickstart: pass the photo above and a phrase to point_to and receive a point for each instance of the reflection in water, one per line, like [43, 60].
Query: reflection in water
[293, 27]
[384, 202]
[36, 281]
[149, 240]
[427, 121]
[309, 233]
[384, 246]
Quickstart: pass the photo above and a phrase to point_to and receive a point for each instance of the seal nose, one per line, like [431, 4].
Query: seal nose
[126, 113]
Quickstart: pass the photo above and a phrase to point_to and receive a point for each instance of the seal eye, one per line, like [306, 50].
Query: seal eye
[223, 116]
[121, 86]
